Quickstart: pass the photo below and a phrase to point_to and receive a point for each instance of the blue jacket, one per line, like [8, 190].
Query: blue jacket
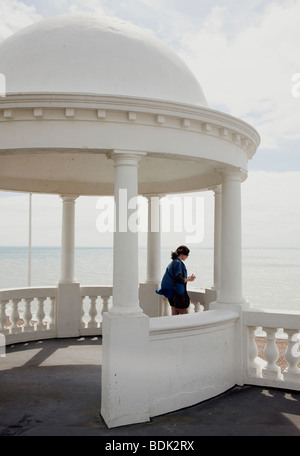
[167, 283]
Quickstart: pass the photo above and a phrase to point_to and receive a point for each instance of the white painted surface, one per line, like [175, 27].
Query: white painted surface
[95, 54]
[192, 358]
[125, 369]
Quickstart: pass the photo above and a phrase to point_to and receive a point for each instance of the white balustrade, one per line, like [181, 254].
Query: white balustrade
[276, 326]
[93, 313]
[40, 316]
[292, 357]
[105, 302]
[3, 317]
[51, 315]
[196, 306]
[14, 317]
[95, 301]
[254, 369]
[27, 314]
[30, 313]
[271, 354]
[165, 308]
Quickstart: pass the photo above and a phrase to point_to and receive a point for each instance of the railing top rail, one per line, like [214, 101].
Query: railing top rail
[96, 290]
[27, 292]
[191, 321]
[272, 318]
[194, 293]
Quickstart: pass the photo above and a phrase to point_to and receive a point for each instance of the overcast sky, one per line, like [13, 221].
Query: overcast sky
[246, 58]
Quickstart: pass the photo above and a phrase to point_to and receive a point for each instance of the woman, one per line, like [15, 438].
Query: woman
[176, 269]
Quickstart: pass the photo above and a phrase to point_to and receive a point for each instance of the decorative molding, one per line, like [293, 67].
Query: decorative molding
[8, 114]
[70, 112]
[224, 133]
[206, 127]
[132, 116]
[38, 112]
[101, 114]
[186, 123]
[90, 108]
[160, 119]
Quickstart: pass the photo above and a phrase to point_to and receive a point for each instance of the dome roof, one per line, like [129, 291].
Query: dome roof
[95, 55]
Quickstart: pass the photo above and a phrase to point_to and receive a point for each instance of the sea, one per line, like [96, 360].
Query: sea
[270, 276]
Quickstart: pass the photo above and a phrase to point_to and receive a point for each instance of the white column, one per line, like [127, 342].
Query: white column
[68, 311]
[149, 300]
[217, 237]
[125, 330]
[125, 269]
[231, 239]
[153, 240]
[68, 239]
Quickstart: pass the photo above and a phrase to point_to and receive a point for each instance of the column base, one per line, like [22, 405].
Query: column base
[125, 364]
[68, 309]
[126, 311]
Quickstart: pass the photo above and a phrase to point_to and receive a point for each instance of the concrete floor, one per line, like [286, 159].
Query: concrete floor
[52, 388]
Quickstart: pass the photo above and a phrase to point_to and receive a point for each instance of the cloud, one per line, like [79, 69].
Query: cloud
[271, 216]
[14, 16]
[243, 58]
[249, 72]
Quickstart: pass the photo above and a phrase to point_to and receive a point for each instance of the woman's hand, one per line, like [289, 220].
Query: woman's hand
[191, 278]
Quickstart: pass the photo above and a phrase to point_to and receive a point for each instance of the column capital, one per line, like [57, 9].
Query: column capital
[125, 157]
[148, 196]
[217, 189]
[69, 198]
[234, 174]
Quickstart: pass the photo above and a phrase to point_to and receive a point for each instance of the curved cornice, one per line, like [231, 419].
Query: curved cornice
[68, 106]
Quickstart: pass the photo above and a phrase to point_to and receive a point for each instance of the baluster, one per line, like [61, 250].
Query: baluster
[197, 306]
[105, 300]
[254, 369]
[161, 307]
[271, 371]
[51, 322]
[82, 313]
[15, 317]
[292, 356]
[93, 313]
[40, 315]
[166, 307]
[104, 309]
[27, 316]
[3, 317]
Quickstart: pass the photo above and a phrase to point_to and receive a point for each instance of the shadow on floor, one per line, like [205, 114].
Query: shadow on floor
[52, 388]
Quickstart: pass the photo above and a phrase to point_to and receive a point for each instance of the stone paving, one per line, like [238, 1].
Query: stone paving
[52, 388]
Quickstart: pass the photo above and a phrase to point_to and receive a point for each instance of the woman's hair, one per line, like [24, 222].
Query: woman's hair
[182, 249]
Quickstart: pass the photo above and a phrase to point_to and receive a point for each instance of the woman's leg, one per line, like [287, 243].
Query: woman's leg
[174, 311]
[183, 311]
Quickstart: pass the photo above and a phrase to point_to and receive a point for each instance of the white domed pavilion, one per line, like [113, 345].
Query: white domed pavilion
[95, 106]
